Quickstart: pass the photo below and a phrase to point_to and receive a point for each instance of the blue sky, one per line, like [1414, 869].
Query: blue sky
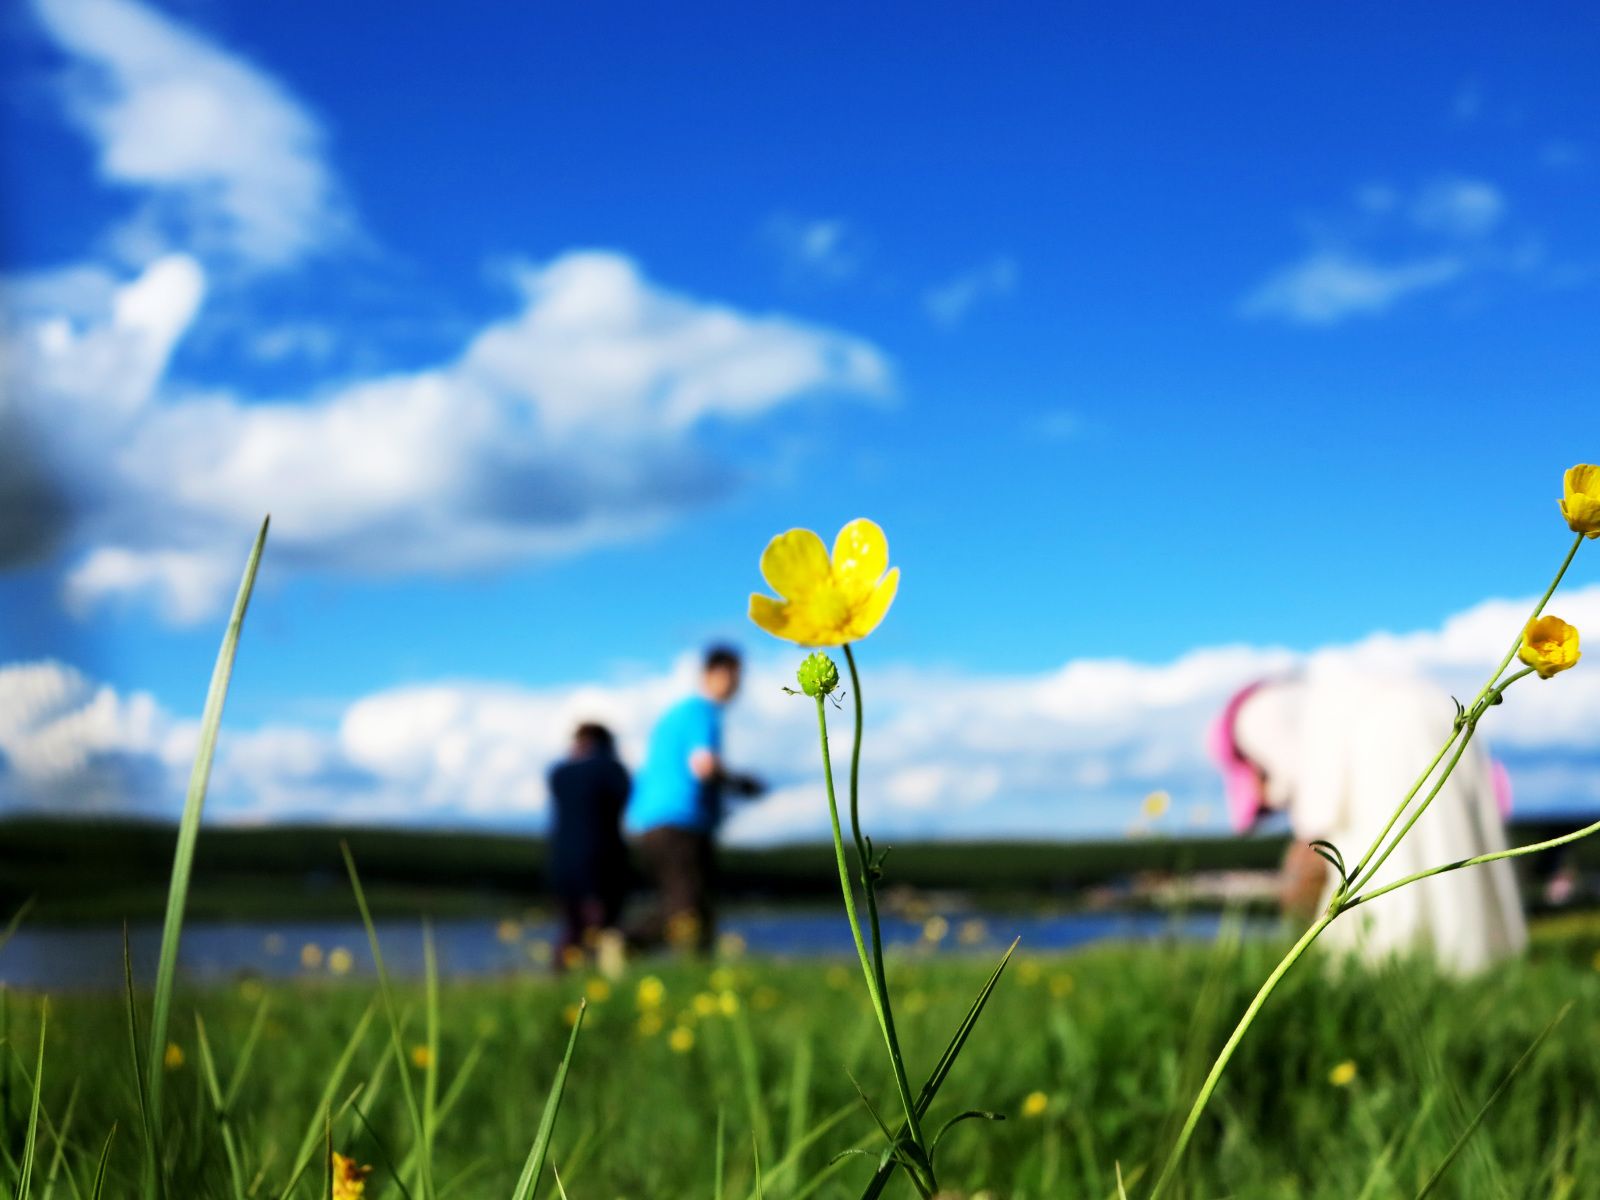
[1140, 333]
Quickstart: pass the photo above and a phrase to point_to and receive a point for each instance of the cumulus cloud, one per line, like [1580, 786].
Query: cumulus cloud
[573, 419]
[1393, 245]
[948, 303]
[1073, 750]
[231, 162]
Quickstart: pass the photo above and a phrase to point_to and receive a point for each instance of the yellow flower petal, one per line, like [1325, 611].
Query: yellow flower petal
[870, 613]
[1549, 646]
[796, 564]
[860, 557]
[1580, 503]
[781, 619]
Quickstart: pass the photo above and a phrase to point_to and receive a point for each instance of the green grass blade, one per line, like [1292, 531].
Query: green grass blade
[308, 1143]
[152, 1146]
[529, 1179]
[947, 1060]
[16, 920]
[246, 1054]
[219, 1105]
[413, 1109]
[59, 1136]
[99, 1186]
[189, 829]
[31, 1142]
[716, 1186]
[1483, 1111]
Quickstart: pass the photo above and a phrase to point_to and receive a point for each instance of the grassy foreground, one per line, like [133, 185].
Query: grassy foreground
[1113, 1039]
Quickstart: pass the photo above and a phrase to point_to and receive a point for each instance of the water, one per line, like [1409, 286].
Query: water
[219, 952]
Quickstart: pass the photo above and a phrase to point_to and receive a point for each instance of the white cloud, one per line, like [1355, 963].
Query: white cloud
[576, 418]
[1459, 207]
[815, 249]
[1331, 285]
[948, 303]
[232, 161]
[1398, 245]
[1072, 750]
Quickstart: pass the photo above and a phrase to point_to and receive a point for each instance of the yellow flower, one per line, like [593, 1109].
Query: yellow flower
[1034, 1104]
[935, 929]
[173, 1058]
[597, 990]
[1029, 972]
[1062, 986]
[721, 979]
[1549, 646]
[1155, 805]
[340, 960]
[508, 931]
[570, 1013]
[651, 992]
[1580, 503]
[650, 1024]
[311, 956]
[1343, 1075]
[421, 1057]
[826, 602]
[681, 1039]
[972, 932]
[705, 1004]
[349, 1180]
[728, 1003]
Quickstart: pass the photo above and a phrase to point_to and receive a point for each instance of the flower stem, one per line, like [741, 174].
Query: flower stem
[924, 1187]
[1537, 609]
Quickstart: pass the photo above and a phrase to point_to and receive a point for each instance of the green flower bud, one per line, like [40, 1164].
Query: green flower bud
[818, 676]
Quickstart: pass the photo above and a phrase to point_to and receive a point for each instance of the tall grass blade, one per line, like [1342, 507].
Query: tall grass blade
[716, 1186]
[413, 1109]
[59, 1136]
[16, 920]
[155, 1178]
[1477, 1120]
[189, 828]
[308, 1143]
[936, 1077]
[529, 1178]
[98, 1187]
[31, 1142]
[219, 1106]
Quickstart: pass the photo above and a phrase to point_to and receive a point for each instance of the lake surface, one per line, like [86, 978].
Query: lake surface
[217, 952]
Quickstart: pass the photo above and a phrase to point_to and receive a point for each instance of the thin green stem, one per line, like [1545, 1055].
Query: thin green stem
[1232, 1044]
[1476, 860]
[1404, 804]
[1537, 609]
[1461, 744]
[850, 910]
[869, 891]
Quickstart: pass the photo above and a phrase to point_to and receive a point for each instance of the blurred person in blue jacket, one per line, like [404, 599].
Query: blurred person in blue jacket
[678, 804]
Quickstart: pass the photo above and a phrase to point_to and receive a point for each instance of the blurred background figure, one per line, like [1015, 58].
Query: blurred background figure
[678, 805]
[1335, 750]
[588, 860]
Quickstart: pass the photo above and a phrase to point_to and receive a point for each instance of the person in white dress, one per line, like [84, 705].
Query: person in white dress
[1335, 749]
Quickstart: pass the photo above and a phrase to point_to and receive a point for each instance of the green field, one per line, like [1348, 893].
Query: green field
[1113, 1037]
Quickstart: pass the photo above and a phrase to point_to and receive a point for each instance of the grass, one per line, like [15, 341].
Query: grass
[1114, 1037]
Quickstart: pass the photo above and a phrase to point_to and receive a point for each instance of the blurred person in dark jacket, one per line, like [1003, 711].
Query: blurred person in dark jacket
[588, 861]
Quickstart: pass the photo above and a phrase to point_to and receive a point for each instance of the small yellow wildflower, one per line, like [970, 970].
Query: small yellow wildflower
[1034, 1104]
[972, 932]
[1029, 972]
[650, 1023]
[731, 945]
[1155, 805]
[705, 1004]
[720, 979]
[349, 1180]
[651, 992]
[826, 602]
[935, 929]
[1062, 986]
[173, 1058]
[597, 991]
[311, 956]
[569, 1014]
[508, 931]
[421, 1057]
[1549, 646]
[1343, 1075]
[1580, 503]
[728, 1002]
[681, 1039]
[340, 960]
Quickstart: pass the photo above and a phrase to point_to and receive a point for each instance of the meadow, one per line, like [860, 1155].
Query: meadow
[1351, 1086]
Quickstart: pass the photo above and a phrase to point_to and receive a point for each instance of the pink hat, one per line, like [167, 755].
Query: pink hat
[1240, 779]
[1501, 778]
